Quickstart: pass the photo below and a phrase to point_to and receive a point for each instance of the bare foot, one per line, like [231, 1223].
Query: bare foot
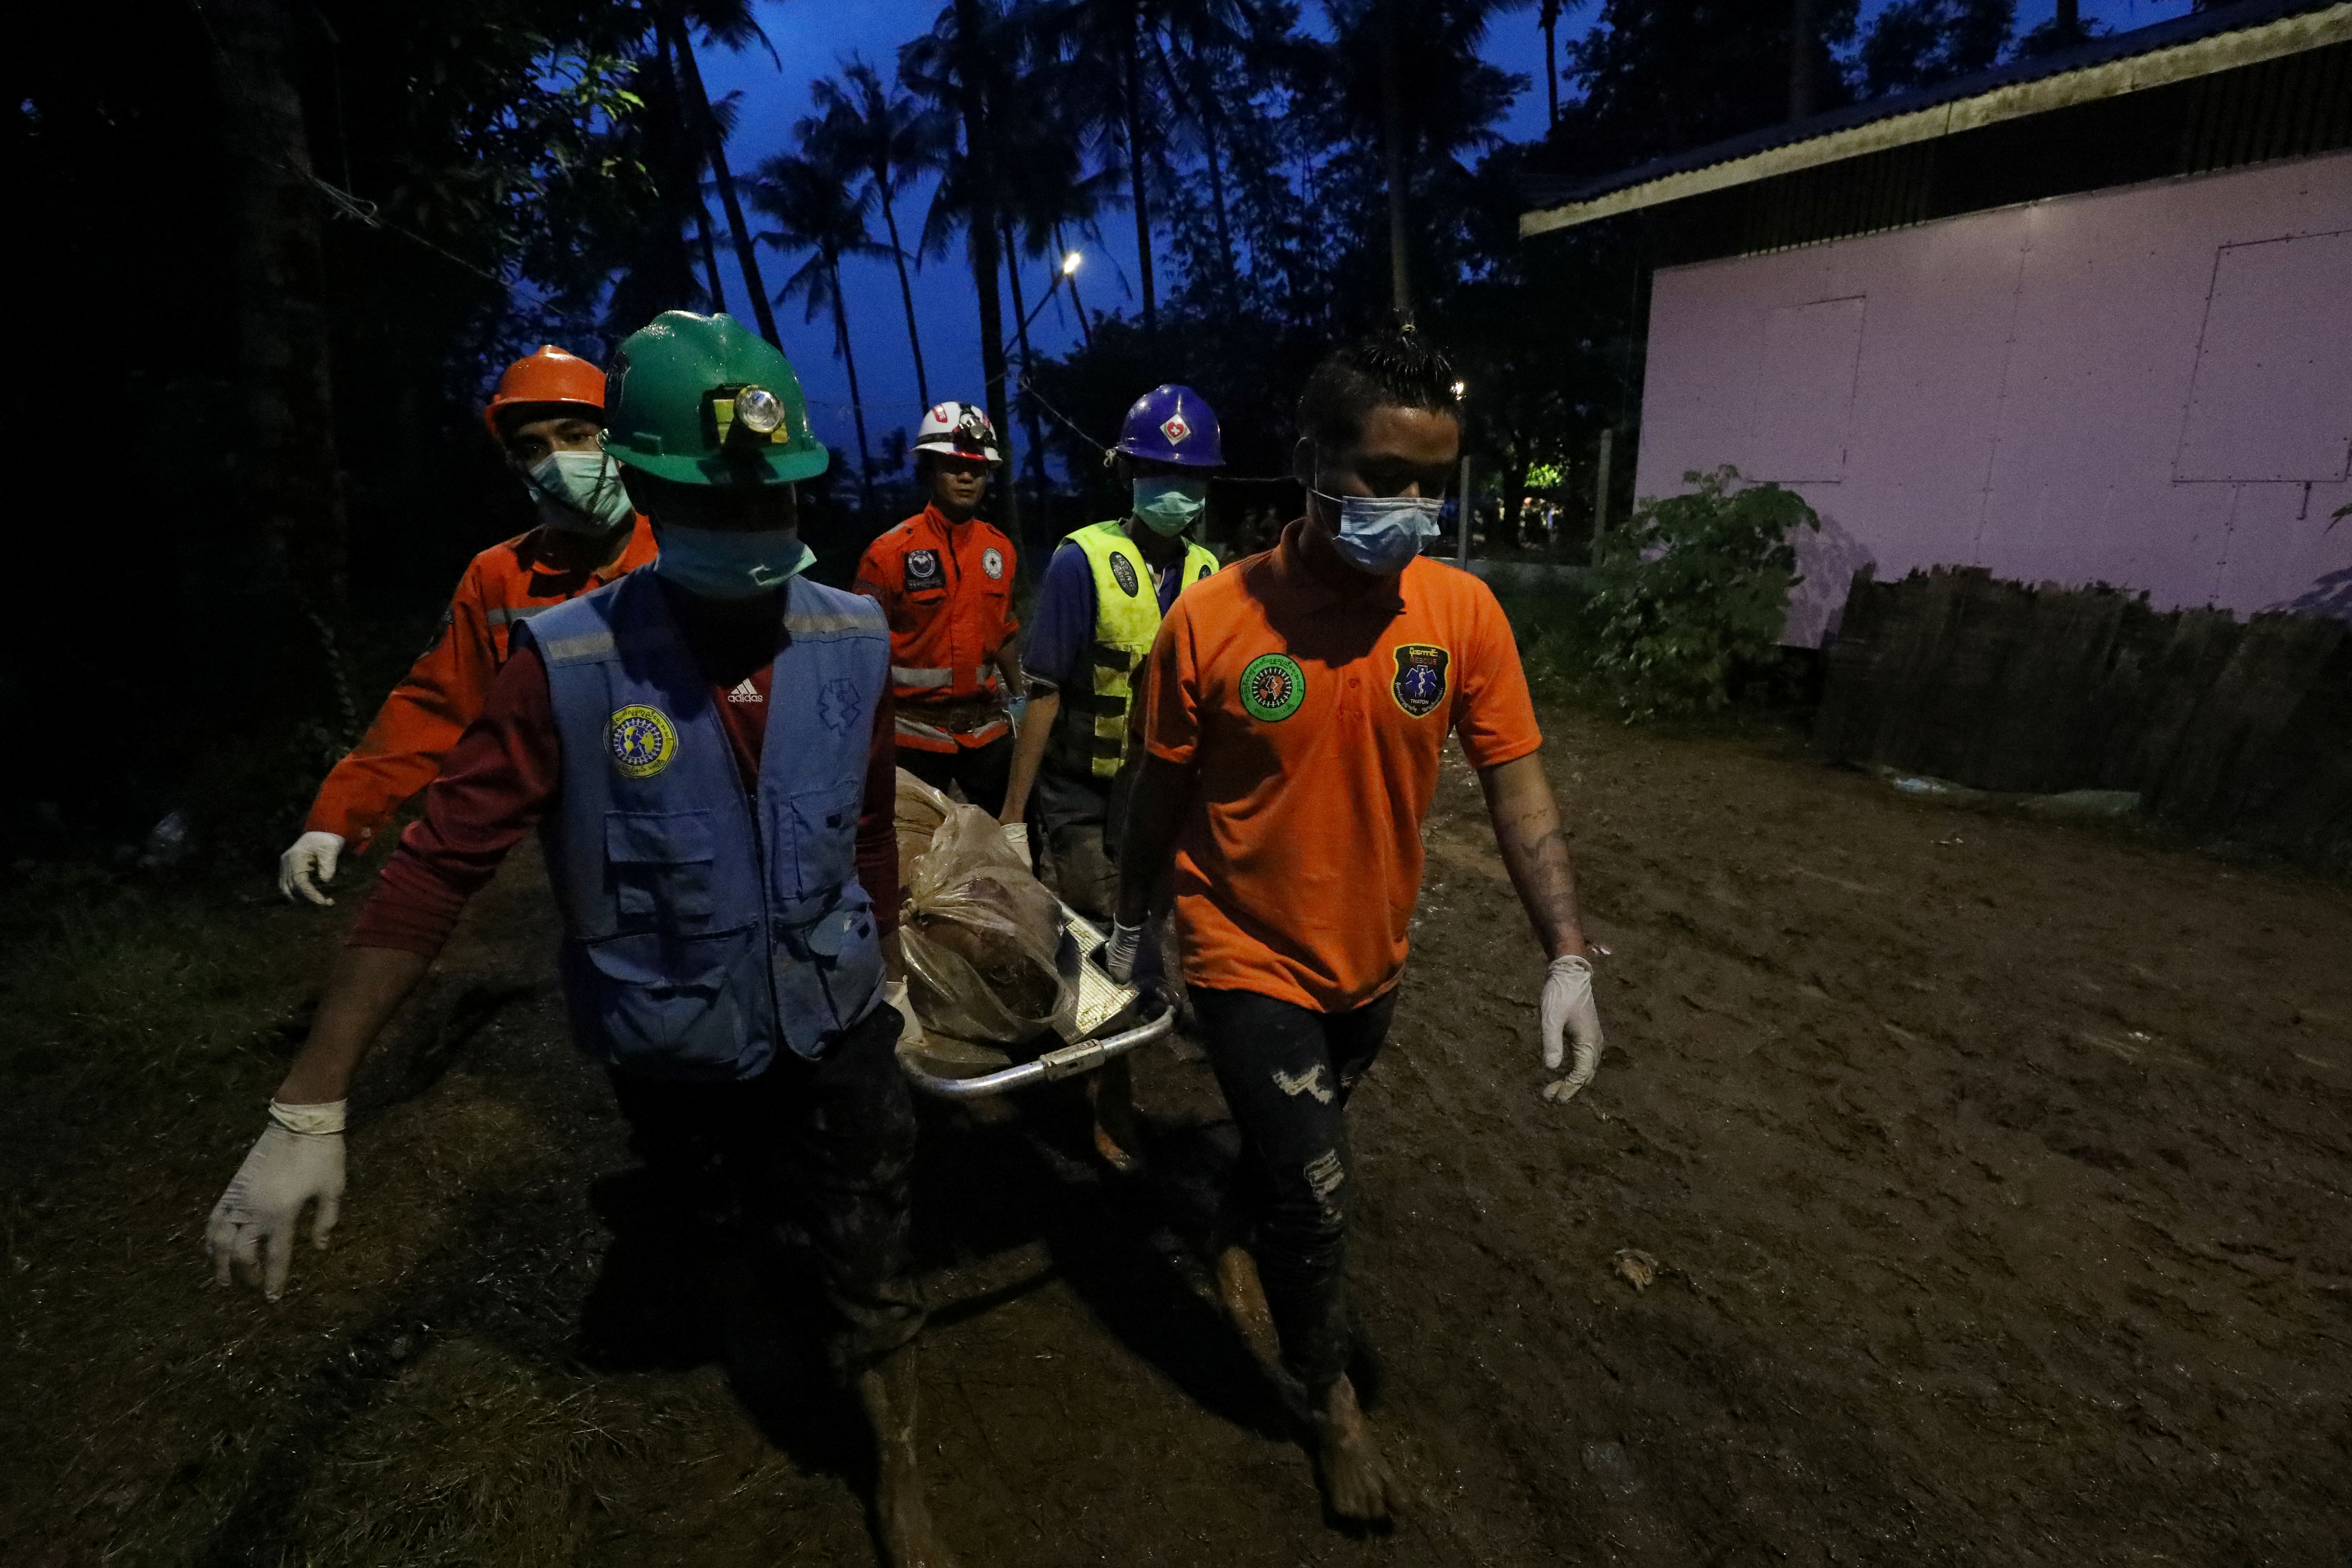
[1111, 1090]
[910, 1539]
[1357, 1479]
[1244, 1302]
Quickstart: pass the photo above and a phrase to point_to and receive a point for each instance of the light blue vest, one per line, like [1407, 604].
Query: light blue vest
[703, 927]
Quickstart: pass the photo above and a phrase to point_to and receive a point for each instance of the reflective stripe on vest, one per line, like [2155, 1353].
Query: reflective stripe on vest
[706, 929]
[1093, 726]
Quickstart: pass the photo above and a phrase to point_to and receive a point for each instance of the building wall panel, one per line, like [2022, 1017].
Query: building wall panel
[2022, 391]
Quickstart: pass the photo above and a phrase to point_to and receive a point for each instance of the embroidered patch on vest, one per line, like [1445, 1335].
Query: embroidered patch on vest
[642, 739]
[1420, 683]
[923, 569]
[991, 560]
[1272, 686]
[1122, 572]
[839, 705]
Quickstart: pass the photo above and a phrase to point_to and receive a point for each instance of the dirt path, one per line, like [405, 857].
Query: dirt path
[1996, 1172]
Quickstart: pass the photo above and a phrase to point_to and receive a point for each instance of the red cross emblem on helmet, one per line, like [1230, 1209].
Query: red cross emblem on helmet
[1175, 429]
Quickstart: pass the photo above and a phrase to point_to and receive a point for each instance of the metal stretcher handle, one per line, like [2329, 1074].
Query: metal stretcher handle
[1067, 1062]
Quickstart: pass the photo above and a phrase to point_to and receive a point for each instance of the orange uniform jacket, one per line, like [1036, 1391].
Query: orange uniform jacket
[948, 591]
[444, 691]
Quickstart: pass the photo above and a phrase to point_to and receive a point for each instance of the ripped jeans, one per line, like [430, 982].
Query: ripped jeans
[1287, 1072]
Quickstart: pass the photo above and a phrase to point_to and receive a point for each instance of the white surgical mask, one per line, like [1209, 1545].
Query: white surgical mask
[579, 492]
[1381, 535]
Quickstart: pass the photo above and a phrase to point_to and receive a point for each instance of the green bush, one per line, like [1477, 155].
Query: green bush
[1692, 589]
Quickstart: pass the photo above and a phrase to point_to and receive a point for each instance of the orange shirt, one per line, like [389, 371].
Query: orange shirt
[1315, 720]
[444, 691]
[947, 588]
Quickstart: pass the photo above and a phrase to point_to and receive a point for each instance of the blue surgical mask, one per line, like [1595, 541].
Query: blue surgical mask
[579, 492]
[1170, 506]
[1381, 535]
[730, 563]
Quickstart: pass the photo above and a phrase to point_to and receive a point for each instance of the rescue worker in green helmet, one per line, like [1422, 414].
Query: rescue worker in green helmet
[1098, 610]
[704, 749]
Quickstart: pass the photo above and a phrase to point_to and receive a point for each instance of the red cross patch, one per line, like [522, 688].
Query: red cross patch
[1175, 429]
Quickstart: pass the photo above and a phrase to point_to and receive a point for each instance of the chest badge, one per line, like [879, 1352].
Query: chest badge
[642, 740]
[1272, 686]
[1122, 572]
[923, 569]
[991, 560]
[1420, 683]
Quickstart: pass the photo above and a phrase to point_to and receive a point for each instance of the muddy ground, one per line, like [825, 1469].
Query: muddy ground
[1995, 1171]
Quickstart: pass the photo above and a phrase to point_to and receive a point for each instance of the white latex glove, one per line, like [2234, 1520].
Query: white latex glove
[298, 1157]
[1016, 834]
[313, 855]
[1118, 954]
[910, 1029]
[1568, 1011]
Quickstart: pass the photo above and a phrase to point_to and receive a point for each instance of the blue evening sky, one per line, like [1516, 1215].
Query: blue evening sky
[812, 39]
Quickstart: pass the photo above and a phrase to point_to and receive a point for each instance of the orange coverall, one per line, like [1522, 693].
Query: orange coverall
[444, 691]
[946, 589]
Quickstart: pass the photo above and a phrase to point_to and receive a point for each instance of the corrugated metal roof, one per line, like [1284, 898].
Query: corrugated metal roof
[2220, 39]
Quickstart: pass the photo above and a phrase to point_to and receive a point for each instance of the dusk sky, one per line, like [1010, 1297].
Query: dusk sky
[812, 38]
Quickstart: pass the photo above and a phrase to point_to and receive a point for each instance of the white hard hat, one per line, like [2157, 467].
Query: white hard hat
[959, 430]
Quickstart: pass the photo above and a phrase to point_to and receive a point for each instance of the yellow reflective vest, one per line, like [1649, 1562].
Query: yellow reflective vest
[1091, 733]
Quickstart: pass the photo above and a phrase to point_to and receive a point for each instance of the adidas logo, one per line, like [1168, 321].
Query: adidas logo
[745, 692]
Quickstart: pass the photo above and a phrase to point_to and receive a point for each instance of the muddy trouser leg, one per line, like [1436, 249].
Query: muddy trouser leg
[842, 1165]
[1074, 813]
[985, 772]
[1287, 1072]
[688, 1135]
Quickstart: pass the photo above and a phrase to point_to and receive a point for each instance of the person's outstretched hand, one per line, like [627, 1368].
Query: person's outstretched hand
[298, 1160]
[307, 861]
[1568, 1017]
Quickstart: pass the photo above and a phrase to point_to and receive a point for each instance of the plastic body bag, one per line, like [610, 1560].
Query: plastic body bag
[982, 937]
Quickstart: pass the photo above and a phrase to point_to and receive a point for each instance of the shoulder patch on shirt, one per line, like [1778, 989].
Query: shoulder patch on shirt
[1122, 572]
[923, 569]
[1420, 683]
[991, 560]
[1272, 686]
[642, 739]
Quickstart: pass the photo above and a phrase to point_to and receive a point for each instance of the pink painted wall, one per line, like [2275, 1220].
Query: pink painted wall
[2150, 387]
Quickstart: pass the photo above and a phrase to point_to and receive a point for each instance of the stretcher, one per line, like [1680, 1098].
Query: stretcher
[960, 1071]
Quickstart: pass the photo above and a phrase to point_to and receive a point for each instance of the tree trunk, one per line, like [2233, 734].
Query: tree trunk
[856, 405]
[980, 242]
[905, 294]
[290, 497]
[1801, 47]
[1393, 140]
[1551, 66]
[1217, 205]
[1021, 315]
[689, 175]
[715, 145]
[1135, 174]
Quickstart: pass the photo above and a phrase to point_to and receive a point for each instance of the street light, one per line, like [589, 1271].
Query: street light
[1069, 268]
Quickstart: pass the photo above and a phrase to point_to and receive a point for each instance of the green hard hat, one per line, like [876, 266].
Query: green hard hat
[701, 400]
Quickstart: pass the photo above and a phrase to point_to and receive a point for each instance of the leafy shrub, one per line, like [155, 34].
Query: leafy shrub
[1692, 589]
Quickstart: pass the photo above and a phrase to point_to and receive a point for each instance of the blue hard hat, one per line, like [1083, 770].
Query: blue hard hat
[1173, 425]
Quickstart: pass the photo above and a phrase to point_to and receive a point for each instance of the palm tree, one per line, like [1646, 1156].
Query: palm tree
[861, 124]
[964, 66]
[812, 201]
[728, 22]
[1548, 18]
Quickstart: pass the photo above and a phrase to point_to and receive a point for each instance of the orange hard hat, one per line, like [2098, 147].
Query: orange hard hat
[550, 375]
